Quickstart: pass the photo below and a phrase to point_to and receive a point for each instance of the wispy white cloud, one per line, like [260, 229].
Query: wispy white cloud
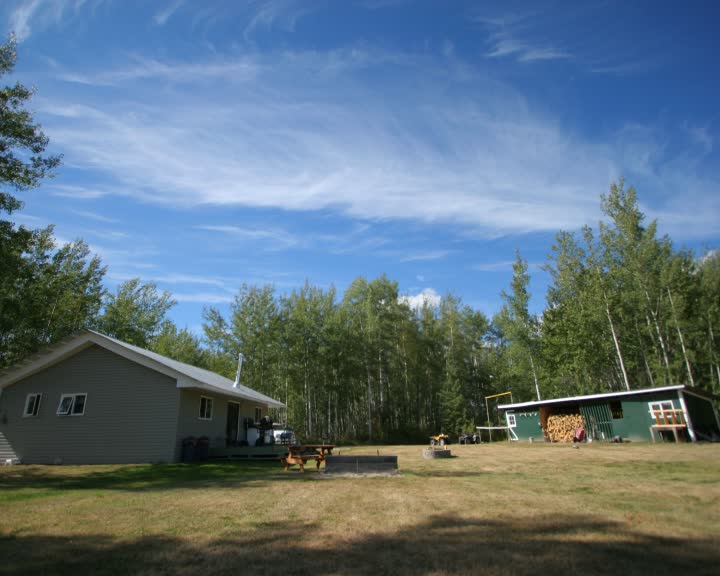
[513, 36]
[701, 136]
[230, 70]
[194, 279]
[272, 238]
[625, 68]
[95, 216]
[275, 13]
[76, 192]
[428, 296]
[502, 266]
[165, 14]
[204, 297]
[504, 44]
[30, 15]
[128, 259]
[21, 17]
[24, 217]
[228, 286]
[111, 235]
[293, 137]
[357, 238]
[425, 256]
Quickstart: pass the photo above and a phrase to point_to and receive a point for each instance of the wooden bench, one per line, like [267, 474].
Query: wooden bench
[296, 455]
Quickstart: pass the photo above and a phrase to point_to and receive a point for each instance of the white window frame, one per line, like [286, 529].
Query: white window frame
[208, 402]
[658, 406]
[36, 406]
[71, 407]
[511, 421]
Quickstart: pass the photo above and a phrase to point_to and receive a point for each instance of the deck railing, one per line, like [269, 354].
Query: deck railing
[669, 417]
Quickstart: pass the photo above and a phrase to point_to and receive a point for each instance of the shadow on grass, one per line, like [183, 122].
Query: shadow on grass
[140, 477]
[449, 545]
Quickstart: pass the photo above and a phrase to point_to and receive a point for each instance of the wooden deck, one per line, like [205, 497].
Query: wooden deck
[272, 452]
[669, 420]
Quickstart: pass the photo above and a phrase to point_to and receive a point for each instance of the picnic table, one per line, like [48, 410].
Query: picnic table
[302, 453]
[321, 448]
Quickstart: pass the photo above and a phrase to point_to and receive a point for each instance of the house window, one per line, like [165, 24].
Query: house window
[661, 405]
[510, 420]
[72, 405]
[206, 407]
[32, 404]
[258, 414]
[616, 410]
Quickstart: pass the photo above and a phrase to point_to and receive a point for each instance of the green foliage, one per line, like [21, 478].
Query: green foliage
[521, 332]
[180, 345]
[627, 310]
[135, 312]
[367, 367]
[46, 292]
[22, 142]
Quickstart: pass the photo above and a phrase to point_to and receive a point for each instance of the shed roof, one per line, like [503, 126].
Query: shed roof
[608, 395]
[187, 376]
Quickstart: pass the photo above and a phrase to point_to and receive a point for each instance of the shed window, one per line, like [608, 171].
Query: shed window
[616, 410]
[206, 408]
[510, 420]
[657, 406]
[32, 404]
[72, 405]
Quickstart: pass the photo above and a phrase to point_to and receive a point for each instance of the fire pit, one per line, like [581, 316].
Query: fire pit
[361, 464]
[436, 453]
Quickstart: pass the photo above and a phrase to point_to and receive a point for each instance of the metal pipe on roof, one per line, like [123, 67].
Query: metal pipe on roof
[237, 374]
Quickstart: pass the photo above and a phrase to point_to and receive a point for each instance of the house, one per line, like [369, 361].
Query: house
[670, 412]
[93, 399]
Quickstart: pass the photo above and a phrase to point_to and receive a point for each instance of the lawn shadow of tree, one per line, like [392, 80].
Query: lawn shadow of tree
[143, 477]
[553, 544]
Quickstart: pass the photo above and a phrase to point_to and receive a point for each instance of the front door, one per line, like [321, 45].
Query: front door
[233, 423]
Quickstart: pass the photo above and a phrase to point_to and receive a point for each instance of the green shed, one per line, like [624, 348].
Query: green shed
[677, 413]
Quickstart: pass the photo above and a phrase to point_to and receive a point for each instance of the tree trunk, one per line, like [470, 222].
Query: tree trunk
[713, 357]
[537, 385]
[642, 350]
[369, 398]
[653, 313]
[617, 344]
[682, 340]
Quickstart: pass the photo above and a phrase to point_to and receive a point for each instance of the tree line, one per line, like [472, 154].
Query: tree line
[624, 310]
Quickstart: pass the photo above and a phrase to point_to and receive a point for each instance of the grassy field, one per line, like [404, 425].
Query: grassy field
[492, 509]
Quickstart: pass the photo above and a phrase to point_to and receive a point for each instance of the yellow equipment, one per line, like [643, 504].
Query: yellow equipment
[439, 440]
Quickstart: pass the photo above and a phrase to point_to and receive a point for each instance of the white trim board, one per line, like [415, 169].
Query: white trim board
[591, 397]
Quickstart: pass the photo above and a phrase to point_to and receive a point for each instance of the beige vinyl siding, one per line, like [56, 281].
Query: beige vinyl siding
[130, 412]
[190, 423]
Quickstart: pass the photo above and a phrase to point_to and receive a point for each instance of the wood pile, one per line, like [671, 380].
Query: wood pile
[561, 428]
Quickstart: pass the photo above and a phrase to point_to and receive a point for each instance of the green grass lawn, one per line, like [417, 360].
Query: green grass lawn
[492, 509]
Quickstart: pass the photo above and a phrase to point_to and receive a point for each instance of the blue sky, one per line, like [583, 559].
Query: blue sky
[207, 144]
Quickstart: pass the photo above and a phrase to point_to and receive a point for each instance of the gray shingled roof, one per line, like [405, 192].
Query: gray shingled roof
[187, 375]
[200, 375]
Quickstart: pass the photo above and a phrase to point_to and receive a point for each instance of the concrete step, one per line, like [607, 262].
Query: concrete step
[6, 451]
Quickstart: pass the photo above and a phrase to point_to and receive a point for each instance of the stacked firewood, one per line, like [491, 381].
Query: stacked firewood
[561, 428]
